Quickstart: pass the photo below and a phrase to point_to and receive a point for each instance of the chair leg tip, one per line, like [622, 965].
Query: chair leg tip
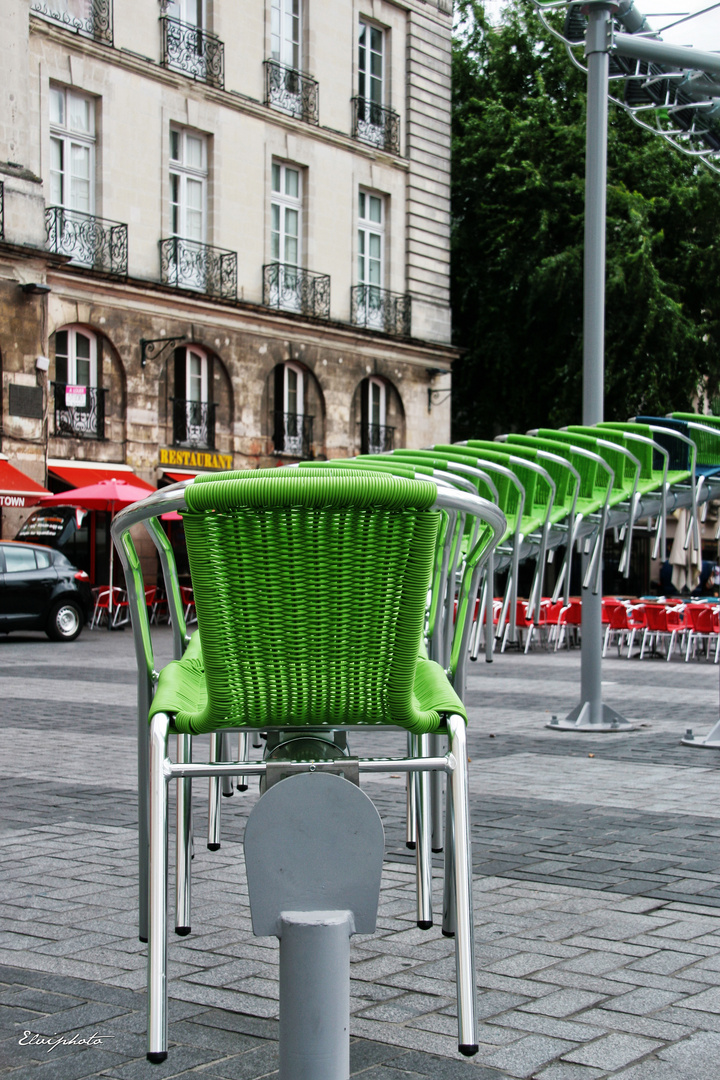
[144, 940]
[448, 933]
[425, 924]
[468, 1049]
[156, 1057]
[182, 931]
[437, 850]
[242, 787]
[228, 794]
[213, 847]
[410, 845]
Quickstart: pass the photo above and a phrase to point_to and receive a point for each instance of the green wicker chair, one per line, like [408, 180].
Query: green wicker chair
[310, 593]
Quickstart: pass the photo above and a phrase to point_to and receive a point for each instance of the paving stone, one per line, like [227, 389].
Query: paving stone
[641, 1002]
[612, 1051]
[565, 1071]
[699, 1054]
[525, 1056]
[563, 1003]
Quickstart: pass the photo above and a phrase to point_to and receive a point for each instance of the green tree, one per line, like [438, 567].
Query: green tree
[517, 242]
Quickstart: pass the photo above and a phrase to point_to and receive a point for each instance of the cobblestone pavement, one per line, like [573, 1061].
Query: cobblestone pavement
[597, 889]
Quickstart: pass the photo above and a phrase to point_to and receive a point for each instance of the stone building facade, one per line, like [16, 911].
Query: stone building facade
[224, 233]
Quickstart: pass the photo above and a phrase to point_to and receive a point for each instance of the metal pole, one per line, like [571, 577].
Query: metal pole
[591, 714]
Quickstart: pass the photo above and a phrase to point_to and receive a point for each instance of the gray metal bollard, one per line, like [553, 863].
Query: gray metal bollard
[314, 847]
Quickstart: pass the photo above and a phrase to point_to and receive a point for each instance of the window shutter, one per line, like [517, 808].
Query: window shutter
[364, 416]
[279, 407]
[179, 415]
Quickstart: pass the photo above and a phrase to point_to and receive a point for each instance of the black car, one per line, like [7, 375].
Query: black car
[40, 589]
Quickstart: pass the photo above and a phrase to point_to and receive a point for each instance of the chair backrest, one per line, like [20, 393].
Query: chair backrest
[310, 592]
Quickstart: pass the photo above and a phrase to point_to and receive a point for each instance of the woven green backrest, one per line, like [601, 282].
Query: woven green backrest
[508, 496]
[310, 590]
[697, 418]
[493, 452]
[707, 442]
[644, 453]
[587, 469]
[542, 488]
[621, 465]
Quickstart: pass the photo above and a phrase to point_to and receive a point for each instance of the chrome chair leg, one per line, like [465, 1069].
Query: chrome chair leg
[464, 932]
[423, 855]
[228, 782]
[157, 921]
[184, 840]
[243, 754]
[436, 795]
[213, 840]
[410, 830]
[448, 918]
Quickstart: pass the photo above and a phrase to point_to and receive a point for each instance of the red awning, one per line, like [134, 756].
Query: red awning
[17, 489]
[81, 474]
[177, 476]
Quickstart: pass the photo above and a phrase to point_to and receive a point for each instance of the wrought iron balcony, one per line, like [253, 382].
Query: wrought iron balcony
[290, 288]
[293, 434]
[77, 414]
[193, 51]
[380, 309]
[88, 240]
[194, 424]
[2, 210]
[188, 264]
[292, 92]
[376, 438]
[374, 124]
[91, 18]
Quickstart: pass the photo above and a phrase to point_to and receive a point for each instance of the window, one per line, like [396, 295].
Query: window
[285, 237]
[72, 150]
[188, 183]
[371, 257]
[293, 428]
[371, 64]
[76, 357]
[193, 412]
[375, 435]
[190, 12]
[285, 31]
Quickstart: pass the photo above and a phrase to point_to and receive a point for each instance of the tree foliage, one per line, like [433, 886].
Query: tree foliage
[517, 242]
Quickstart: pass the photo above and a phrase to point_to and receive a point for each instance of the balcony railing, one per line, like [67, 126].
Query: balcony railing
[380, 309]
[293, 434]
[79, 411]
[290, 288]
[2, 210]
[193, 51]
[194, 424]
[292, 92]
[91, 18]
[374, 124]
[88, 240]
[187, 264]
[376, 438]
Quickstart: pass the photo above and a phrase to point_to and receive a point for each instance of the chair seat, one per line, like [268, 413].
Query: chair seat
[182, 689]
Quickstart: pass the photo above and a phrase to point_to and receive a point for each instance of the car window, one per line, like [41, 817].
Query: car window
[19, 560]
[42, 558]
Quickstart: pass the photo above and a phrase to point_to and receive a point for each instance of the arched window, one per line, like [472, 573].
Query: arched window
[78, 399]
[76, 357]
[193, 409]
[292, 426]
[375, 435]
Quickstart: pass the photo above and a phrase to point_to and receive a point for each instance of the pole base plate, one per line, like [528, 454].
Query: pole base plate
[711, 741]
[579, 720]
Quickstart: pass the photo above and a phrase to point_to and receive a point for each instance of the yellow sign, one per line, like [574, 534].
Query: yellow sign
[194, 459]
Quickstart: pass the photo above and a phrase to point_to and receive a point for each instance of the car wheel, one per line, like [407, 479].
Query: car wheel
[65, 622]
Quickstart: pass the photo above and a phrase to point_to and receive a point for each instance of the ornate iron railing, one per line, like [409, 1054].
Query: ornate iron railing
[293, 434]
[2, 210]
[88, 240]
[91, 18]
[290, 288]
[376, 438]
[193, 51]
[374, 124]
[188, 264]
[194, 424]
[292, 92]
[76, 419]
[380, 309]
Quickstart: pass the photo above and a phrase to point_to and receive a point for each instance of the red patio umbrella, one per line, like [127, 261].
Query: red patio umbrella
[112, 495]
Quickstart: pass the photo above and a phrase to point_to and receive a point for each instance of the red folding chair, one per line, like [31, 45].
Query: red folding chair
[662, 624]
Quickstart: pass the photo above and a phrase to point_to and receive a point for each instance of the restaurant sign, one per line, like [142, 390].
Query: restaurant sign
[194, 459]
